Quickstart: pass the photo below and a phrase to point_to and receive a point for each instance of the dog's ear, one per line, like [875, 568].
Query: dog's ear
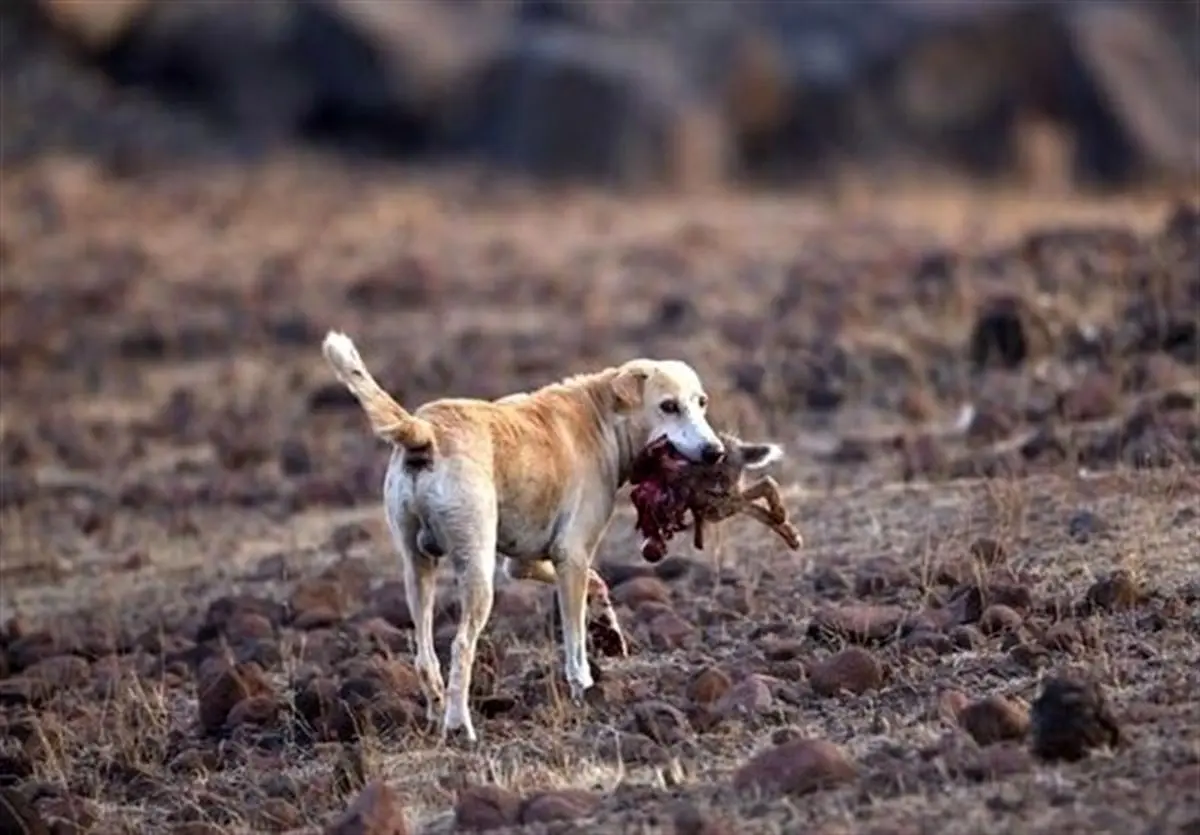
[629, 387]
[757, 456]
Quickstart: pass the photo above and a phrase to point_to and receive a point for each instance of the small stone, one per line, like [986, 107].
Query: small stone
[994, 719]
[857, 623]
[1071, 717]
[997, 619]
[799, 767]
[669, 631]
[480, 808]
[1116, 592]
[709, 686]
[564, 805]
[749, 697]
[376, 811]
[221, 690]
[988, 551]
[853, 670]
[256, 710]
[639, 590]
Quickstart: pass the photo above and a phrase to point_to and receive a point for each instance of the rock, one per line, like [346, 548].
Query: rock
[316, 702]
[951, 705]
[1083, 526]
[988, 551]
[997, 619]
[383, 635]
[247, 627]
[994, 719]
[17, 815]
[480, 808]
[223, 611]
[661, 722]
[966, 637]
[317, 604]
[376, 811]
[294, 458]
[256, 710]
[60, 672]
[857, 623]
[638, 590]
[688, 819]
[1063, 637]
[562, 805]
[1116, 592]
[633, 749]
[1095, 397]
[390, 603]
[15, 768]
[882, 577]
[798, 767]
[219, 691]
[1071, 717]
[929, 640]
[749, 697]
[569, 106]
[669, 631]
[277, 815]
[853, 670]
[709, 686]
[1006, 333]
[994, 762]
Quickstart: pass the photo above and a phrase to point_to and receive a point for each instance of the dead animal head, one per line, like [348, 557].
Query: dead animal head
[742, 456]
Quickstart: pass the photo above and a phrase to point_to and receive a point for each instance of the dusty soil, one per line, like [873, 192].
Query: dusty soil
[992, 491]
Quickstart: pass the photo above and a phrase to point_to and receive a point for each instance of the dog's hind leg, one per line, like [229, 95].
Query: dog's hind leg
[420, 588]
[420, 579]
[472, 549]
[597, 591]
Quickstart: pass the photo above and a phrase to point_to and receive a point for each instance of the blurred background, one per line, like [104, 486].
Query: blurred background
[684, 94]
[952, 243]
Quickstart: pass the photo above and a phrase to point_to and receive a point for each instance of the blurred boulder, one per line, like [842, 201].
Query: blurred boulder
[682, 93]
[567, 105]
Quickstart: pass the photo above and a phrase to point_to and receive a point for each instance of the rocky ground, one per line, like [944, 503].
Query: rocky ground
[990, 409]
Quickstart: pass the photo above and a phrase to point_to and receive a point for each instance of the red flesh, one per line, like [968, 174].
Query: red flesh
[661, 509]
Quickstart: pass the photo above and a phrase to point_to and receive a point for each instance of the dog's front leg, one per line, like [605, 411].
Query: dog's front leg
[572, 575]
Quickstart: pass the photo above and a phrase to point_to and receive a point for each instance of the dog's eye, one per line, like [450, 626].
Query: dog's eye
[669, 407]
[702, 400]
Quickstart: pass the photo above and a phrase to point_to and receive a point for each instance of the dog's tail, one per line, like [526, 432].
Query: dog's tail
[389, 420]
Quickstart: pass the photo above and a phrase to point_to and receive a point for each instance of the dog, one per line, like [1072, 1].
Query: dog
[532, 477]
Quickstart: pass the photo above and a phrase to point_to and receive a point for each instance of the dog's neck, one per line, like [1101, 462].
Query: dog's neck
[623, 436]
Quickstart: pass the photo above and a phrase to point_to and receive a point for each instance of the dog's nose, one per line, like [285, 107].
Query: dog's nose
[712, 453]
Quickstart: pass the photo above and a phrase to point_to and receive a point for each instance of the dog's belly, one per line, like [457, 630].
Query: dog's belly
[519, 540]
[517, 545]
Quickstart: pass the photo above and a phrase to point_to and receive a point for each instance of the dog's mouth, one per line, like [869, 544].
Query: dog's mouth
[666, 453]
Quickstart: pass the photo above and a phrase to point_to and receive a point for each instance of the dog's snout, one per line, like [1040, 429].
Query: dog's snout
[712, 453]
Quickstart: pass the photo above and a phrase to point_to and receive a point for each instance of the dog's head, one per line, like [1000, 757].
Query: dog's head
[664, 398]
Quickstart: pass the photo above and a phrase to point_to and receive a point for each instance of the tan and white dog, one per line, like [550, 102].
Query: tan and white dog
[532, 477]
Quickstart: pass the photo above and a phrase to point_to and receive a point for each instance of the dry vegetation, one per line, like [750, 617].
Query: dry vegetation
[204, 624]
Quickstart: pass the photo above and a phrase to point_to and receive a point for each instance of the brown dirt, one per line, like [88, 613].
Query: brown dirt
[203, 614]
